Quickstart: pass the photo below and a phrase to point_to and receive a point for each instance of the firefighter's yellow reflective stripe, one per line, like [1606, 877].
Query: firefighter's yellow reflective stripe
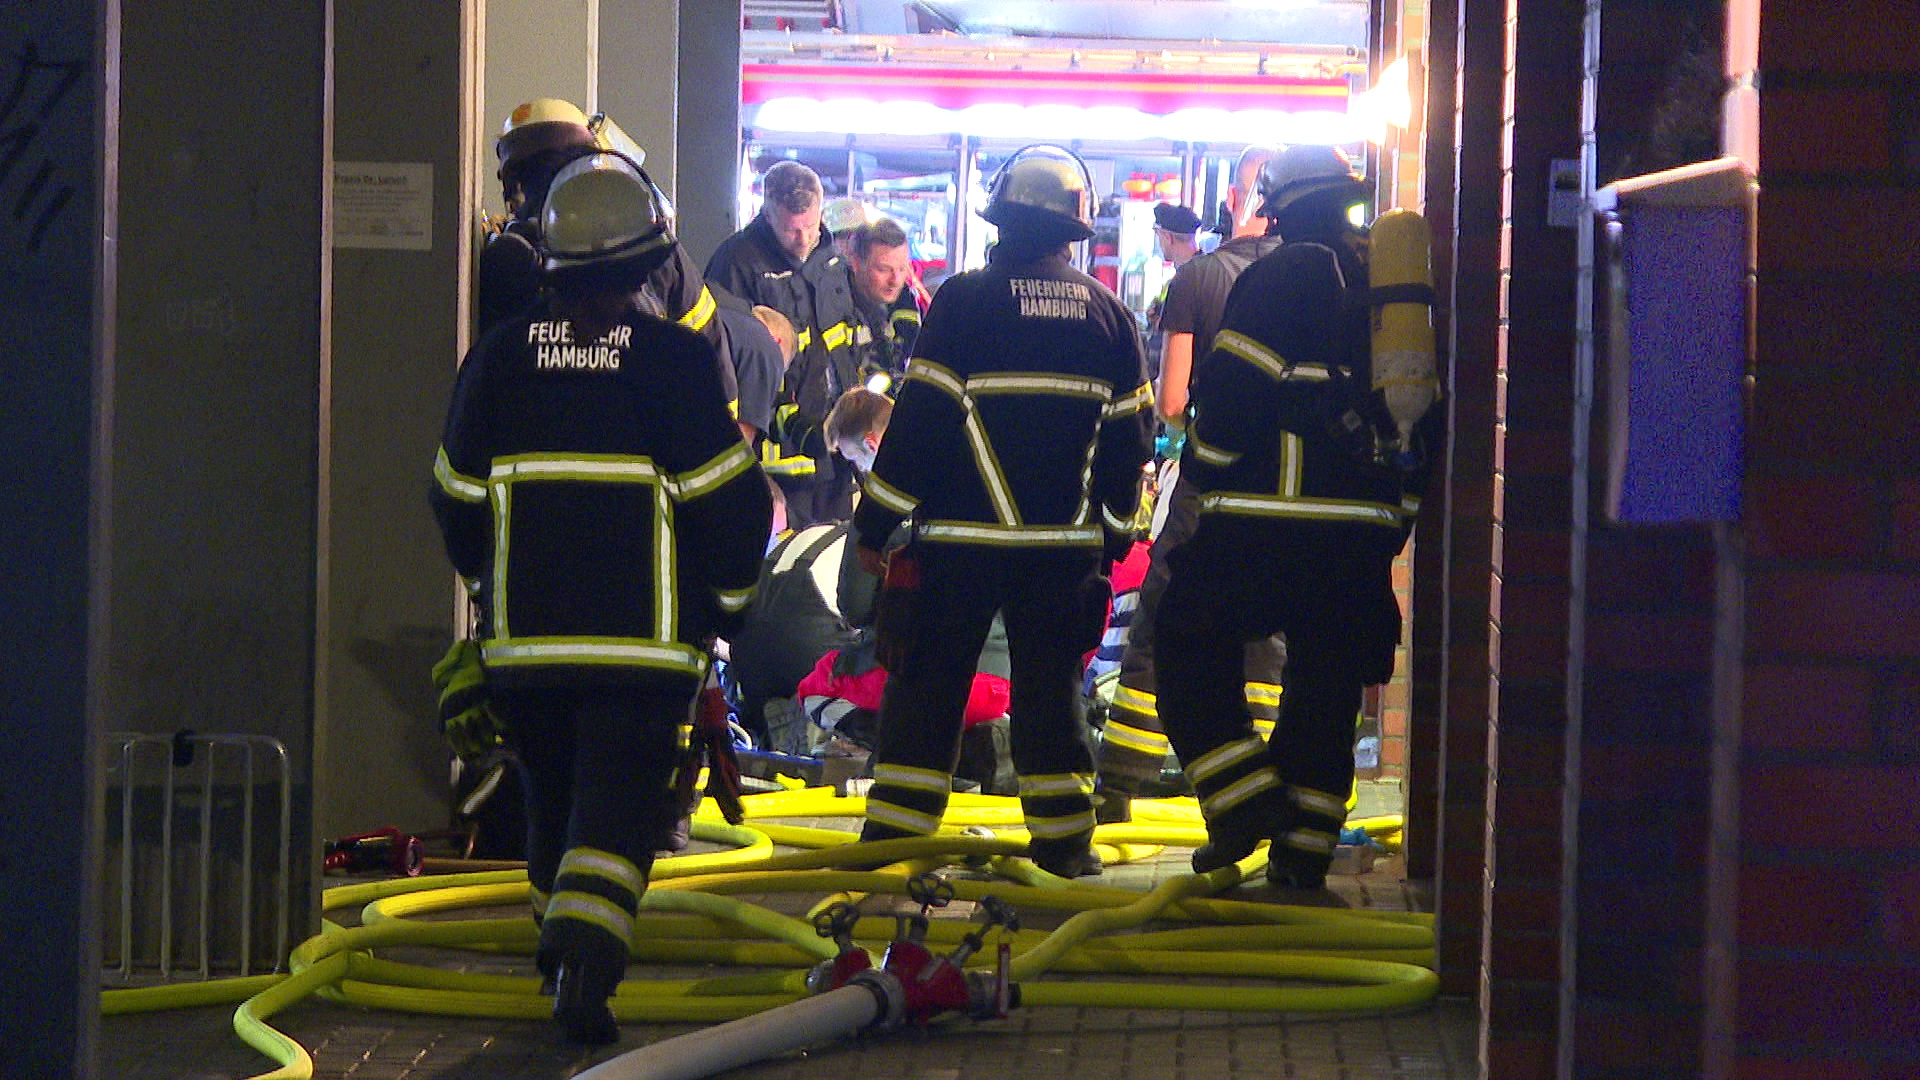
[1263, 727]
[1060, 828]
[456, 483]
[1410, 504]
[723, 467]
[593, 862]
[610, 467]
[969, 532]
[1261, 779]
[1055, 784]
[991, 474]
[901, 817]
[913, 777]
[1318, 802]
[1039, 383]
[776, 465]
[1292, 451]
[889, 496]
[701, 313]
[1223, 757]
[1139, 740]
[666, 568]
[937, 376]
[1272, 363]
[837, 336]
[733, 408]
[502, 495]
[731, 600]
[1140, 701]
[1313, 840]
[1263, 695]
[804, 339]
[1130, 403]
[593, 910]
[904, 317]
[537, 898]
[1280, 506]
[634, 652]
[1211, 454]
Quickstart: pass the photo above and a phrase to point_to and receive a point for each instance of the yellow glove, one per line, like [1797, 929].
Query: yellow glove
[467, 720]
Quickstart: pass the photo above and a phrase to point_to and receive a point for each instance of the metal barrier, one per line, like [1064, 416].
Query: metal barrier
[216, 812]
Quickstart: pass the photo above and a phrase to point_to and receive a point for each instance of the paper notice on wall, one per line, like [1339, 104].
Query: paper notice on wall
[383, 204]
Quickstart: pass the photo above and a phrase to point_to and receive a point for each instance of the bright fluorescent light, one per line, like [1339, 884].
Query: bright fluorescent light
[1099, 123]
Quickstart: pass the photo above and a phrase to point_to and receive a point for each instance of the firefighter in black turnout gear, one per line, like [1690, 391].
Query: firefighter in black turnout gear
[785, 259]
[609, 520]
[1300, 519]
[1016, 450]
[539, 138]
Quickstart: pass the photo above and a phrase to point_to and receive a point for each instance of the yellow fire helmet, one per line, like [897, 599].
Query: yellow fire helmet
[539, 125]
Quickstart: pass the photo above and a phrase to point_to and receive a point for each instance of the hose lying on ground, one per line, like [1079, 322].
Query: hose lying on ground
[1358, 959]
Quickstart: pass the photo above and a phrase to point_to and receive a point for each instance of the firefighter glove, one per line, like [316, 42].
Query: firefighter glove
[467, 719]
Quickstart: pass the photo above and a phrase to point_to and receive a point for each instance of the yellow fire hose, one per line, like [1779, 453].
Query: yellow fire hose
[1359, 960]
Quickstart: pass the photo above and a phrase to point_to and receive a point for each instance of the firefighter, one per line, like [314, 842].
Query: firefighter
[881, 268]
[785, 259]
[593, 439]
[539, 137]
[1134, 745]
[1300, 517]
[1015, 454]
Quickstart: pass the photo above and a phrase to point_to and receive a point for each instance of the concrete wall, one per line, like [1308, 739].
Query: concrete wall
[536, 48]
[52, 258]
[397, 338]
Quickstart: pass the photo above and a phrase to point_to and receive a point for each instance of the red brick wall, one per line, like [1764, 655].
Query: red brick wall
[1471, 293]
[1532, 518]
[1426, 706]
[1828, 927]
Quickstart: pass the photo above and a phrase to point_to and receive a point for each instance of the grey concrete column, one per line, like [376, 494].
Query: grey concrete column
[219, 494]
[403, 234]
[707, 158]
[56, 158]
[533, 49]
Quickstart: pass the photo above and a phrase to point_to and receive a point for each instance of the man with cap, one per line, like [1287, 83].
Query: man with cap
[1174, 227]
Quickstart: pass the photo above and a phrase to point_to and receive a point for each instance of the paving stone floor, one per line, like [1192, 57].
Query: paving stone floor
[1436, 1042]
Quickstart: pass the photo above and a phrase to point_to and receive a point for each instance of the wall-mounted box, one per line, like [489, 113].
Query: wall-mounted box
[1679, 277]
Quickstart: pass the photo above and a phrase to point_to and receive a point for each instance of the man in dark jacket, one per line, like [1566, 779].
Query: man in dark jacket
[1300, 517]
[1016, 447]
[593, 440]
[785, 259]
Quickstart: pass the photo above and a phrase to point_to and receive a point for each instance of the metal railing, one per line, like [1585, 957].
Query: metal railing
[203, 791]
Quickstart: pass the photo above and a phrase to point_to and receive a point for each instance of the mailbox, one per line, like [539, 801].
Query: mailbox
[1679, 285]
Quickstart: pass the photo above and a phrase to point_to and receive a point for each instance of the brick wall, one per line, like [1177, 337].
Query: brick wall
[1472, 295]
[1827, 934]
[1425, 639]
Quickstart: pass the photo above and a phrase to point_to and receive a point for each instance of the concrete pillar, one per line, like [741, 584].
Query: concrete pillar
[532, 49]
[216, 549]
[708, 140]
[386, 602]
[1532, 514]
[56, 347]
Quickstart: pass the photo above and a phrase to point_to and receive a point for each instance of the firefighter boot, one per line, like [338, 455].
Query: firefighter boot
[1111, 806]
[582, 986]
[1304, 835]
[1070, 857]
[1233, 834]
